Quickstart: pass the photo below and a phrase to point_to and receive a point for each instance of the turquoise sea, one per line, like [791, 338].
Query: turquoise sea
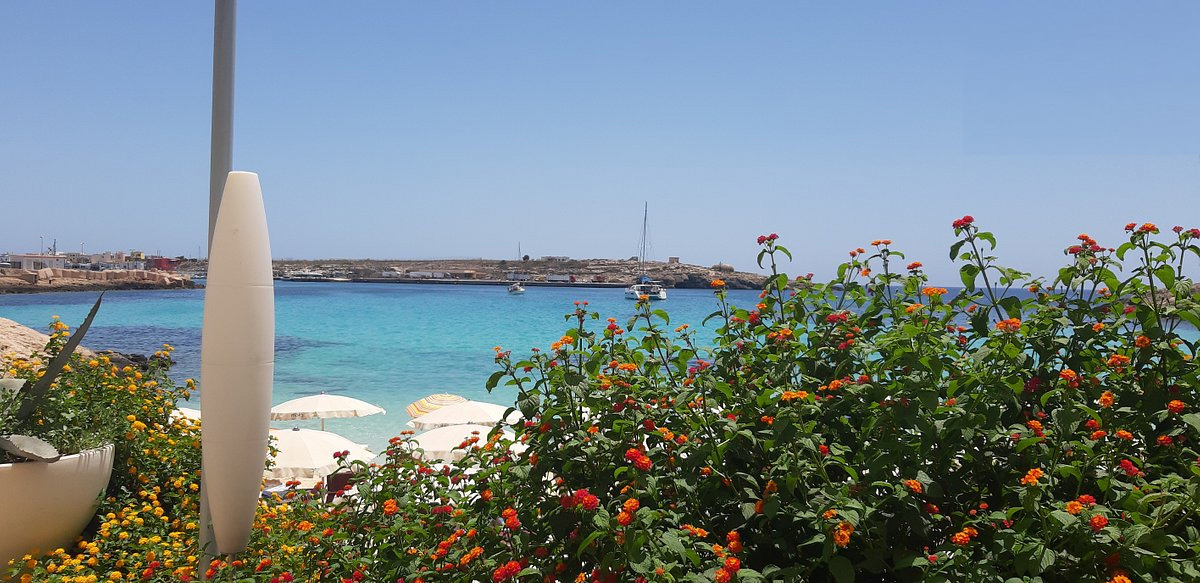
[388, 344]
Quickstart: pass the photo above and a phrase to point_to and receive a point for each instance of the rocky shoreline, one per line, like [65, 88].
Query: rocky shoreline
[22, 281]
[586, 272]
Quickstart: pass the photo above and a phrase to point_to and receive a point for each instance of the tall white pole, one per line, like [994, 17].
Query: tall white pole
[220, 163]
[224, 35]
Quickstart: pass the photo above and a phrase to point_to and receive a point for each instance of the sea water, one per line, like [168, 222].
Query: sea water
[387, 344]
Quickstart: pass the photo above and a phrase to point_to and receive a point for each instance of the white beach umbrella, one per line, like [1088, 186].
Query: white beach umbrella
[186, 412]
[467, 412]
[308, 453]
[323, 406]
[432, 403]
[441, 443]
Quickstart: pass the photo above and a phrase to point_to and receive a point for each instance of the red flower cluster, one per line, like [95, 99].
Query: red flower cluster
[638, 458]
[963, 222]
[1130, 469]
[506, 571]
[765, 238]
[580, 499]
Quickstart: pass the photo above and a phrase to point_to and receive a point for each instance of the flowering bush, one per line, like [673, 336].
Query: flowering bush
[870, 428]
[873, 428]
[148, 515]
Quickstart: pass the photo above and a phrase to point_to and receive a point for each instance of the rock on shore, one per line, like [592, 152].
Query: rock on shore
[22, 341]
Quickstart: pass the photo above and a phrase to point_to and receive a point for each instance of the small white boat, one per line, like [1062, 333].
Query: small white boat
[516, 288]
[651, 289]
[645, 287]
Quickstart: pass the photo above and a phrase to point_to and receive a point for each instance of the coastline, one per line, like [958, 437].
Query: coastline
[13, 286]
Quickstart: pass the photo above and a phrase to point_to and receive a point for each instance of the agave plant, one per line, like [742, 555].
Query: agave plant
[28, 399]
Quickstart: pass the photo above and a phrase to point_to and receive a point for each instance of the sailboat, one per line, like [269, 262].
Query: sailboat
[645, 287]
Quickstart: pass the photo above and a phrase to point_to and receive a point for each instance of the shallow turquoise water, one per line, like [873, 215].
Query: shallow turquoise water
[388, 344]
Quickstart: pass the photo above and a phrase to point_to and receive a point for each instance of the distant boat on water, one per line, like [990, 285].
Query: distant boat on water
[516, 289]
[645, 287]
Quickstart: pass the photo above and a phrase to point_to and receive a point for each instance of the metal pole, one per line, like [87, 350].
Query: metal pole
[224, 34]
[220, 163]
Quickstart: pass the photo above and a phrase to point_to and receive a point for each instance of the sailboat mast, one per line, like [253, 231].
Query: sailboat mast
[642, 254]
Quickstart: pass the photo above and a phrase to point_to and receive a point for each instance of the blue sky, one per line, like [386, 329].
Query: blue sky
[454, 129]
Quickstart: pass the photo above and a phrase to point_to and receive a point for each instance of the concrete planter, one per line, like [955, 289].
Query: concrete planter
[44, 506]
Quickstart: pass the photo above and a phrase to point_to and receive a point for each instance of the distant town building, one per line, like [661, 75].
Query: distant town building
[137, 255]
[33, 261]
[428, 274]
[559, 258]
[724, 267]
[514, 276]
[673, 259]
[560, 278]
[163, 263]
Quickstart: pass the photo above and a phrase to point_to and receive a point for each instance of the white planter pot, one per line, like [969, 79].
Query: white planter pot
[44, 506]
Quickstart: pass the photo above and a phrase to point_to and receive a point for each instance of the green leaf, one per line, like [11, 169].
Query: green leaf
[1064, 517]
[955, 248]
[986, 236]
[968, 273]
[38, 391]
[673, 543]
[841, 569]
[29, 447]
[1192, 419]
[587, 542]
[1166, 275]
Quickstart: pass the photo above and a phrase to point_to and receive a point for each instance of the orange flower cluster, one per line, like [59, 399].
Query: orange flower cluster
[1141, 342]
[842, 532]
[733, 541]
[793, 395]
[1074, 507]
[563, 343]
[511, 521]
[1106, 399]
[915, 486]
[694, 531]
[964, 536]
[390, 507]
[1118, 361]
[1009, 325]
[638, 458]
[1176, 406]
[1031, 477]
[718, 283]
[934, 291]
[878, 242]
[727, 570]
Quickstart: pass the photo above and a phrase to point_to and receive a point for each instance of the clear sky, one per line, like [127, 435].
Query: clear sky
[458, 129]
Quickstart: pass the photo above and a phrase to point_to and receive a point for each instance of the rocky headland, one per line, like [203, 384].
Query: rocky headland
[582, 272]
